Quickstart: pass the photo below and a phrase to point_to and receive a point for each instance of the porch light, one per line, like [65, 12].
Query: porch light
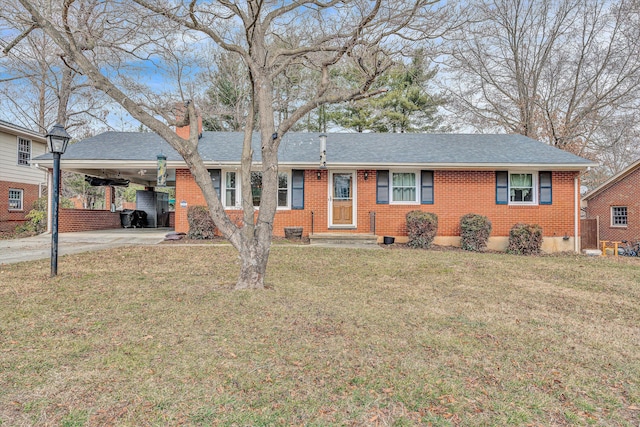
[366, 175]
[57, 140]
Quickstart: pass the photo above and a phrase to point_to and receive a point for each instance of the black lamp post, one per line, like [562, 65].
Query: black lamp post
[57, 140]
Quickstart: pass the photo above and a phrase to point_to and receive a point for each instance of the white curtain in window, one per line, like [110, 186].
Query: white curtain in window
[404, 187]
[404, 179]
[521, 180]
[521, 187]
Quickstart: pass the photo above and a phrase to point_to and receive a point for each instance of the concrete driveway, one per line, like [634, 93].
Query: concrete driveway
[39, 247]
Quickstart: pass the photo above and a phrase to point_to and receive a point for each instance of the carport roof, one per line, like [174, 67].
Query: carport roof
[373, 150]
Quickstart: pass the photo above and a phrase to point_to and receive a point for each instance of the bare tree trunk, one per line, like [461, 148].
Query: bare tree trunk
[63, 96]
[254, 257]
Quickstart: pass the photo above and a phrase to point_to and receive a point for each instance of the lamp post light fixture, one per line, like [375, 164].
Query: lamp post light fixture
[57, 140]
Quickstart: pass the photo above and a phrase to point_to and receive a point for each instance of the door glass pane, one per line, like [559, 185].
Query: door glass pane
[342, 186]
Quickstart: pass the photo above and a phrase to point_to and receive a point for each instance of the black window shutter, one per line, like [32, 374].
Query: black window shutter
[502, 187]
[297, 189]
[545, 188]
[382, 187]
[426, 188]
[215, 175]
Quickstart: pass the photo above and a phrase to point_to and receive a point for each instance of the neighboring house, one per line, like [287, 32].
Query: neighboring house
[21, 183]
[616, 205]
[370, 181]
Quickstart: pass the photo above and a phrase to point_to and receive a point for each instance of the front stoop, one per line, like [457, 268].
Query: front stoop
[330, 239]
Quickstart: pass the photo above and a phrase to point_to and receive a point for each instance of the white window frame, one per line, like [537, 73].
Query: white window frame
[20, 200]
[223, 189]
[626, 217]
[534, 188]
[238, 205]
[418, 177]
[19, 151]
[288, 175]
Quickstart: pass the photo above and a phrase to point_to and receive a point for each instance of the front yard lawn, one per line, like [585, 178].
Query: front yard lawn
[153, 336]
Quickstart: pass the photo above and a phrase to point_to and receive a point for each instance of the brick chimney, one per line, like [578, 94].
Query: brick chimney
[183, 131]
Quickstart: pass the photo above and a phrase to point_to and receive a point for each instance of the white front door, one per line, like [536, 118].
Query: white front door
[342, 204]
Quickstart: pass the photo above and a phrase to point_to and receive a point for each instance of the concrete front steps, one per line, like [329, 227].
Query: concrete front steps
[336, 239]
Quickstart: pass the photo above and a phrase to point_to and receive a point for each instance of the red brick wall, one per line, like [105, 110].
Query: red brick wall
[10, 219]
[625, 192]
[87, 220]
[456, 193]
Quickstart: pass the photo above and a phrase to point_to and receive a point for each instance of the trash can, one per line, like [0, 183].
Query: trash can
[126, 218]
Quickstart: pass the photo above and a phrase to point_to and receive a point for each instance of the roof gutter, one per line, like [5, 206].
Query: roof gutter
[15, 130]
[591, 194]
[177, 164]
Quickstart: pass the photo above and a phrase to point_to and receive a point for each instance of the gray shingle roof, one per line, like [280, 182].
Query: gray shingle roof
[342, 149]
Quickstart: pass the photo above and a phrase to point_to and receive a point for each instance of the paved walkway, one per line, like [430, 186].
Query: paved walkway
[39, 247]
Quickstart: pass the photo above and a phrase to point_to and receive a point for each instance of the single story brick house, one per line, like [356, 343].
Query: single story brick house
[616, 205]
[367, 182]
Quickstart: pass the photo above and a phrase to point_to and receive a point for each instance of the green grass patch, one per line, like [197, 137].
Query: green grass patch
[155, 336]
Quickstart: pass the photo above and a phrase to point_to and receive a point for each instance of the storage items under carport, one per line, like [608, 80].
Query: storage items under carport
[133, 218]
[156, 206]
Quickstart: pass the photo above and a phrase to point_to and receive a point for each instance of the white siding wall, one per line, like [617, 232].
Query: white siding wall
[9, 168]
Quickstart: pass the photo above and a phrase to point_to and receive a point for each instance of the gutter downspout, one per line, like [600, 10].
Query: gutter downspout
[576, 237]
[49, 200]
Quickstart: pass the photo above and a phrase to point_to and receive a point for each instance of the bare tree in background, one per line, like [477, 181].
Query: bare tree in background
[616, 143]
[554, 70]
[272, 38]
[41, 89]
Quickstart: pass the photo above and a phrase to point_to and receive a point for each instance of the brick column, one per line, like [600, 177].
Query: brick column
[109, 197]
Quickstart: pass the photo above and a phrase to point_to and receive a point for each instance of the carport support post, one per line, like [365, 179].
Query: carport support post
[55, 212]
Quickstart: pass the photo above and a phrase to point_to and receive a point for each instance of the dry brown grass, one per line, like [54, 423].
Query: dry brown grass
[153, 336]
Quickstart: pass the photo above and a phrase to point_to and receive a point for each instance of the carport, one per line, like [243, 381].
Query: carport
[116, 159]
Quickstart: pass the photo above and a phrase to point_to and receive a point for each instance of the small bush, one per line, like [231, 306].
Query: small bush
[37, 221]
[37, 217]
[201, 225]
[474, 232]
[525, 239]
[422, 228]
